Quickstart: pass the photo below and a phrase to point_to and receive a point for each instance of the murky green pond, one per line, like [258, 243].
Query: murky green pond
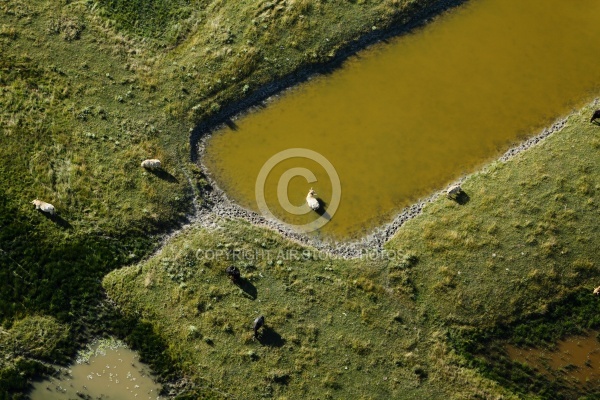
[407, 117]
[107, 370]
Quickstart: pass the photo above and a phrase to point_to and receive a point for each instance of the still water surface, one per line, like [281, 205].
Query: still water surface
[576, 357]
[405, 118]
[108, 370]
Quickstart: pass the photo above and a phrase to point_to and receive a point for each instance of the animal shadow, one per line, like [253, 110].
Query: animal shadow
[322, 210]
[462, 198]
[164, 175]
[57, 219]
[231, 125]
[247, 287]
[268, 337]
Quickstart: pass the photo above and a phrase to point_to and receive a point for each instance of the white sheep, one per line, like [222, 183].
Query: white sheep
[151, 164]
[453, 192]
[311, 200]
[45, 207]
[597, 291]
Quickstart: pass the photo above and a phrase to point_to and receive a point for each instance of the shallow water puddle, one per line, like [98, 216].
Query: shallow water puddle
[407, 117]
[108, 370]
[576, 357]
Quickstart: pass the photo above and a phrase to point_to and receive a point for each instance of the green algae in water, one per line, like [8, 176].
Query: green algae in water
[406, 118]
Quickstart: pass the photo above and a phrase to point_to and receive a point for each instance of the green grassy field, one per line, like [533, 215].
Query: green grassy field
[90, 89]
[335, 328]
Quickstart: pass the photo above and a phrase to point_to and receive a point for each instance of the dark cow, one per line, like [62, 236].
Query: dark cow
[258, 323]
[595, 116]
[233, 273]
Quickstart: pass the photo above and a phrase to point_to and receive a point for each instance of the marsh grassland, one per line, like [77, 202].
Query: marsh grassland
[89, 89]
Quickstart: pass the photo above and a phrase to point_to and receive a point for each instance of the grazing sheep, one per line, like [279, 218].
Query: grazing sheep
[595, 116]
[233, 273]
[311, 200]
[151, 164]
[597, 291]
[258, 323]
[45, 207]
[453, 192]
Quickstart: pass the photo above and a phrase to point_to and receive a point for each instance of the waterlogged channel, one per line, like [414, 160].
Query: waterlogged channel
[405, 118]
[106, 370]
